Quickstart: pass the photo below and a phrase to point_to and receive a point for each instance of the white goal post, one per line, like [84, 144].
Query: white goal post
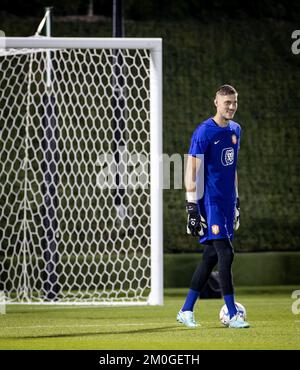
[75, 113]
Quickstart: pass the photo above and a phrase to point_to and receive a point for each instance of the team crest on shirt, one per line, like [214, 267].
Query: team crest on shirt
[234, 139]
[215, 229]
[227, 156]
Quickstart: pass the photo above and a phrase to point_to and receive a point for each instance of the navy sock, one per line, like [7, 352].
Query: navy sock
[229, 301]
[190, 300]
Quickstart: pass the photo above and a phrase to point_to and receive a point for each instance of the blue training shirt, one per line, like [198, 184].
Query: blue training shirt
[220, 146]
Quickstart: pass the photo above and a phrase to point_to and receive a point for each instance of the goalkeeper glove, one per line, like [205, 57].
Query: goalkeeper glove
[237, 214]
[195, 222]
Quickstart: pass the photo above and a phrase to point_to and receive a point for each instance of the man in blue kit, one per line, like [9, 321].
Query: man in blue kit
[214, 211]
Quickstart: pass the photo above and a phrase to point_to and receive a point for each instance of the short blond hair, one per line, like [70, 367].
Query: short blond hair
[226, 90]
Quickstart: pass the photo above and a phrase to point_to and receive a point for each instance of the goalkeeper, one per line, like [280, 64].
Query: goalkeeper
[213, 152]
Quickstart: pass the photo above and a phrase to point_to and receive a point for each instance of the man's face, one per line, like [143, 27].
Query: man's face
[226, 105]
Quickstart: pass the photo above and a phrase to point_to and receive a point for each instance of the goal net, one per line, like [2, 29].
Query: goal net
[81, 194]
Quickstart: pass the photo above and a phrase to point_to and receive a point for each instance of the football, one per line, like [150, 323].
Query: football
[224, 316]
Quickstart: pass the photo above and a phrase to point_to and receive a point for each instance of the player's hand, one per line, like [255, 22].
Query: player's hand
[195, 222]
[237, 214]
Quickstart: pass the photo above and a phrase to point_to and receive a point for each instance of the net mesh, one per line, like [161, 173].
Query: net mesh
[64, 236]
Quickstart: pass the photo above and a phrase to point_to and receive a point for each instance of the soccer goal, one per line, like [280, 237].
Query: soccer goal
[81, 171]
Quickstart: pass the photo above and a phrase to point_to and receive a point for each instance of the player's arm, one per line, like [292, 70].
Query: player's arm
[195, 222]
[192, 166]
[237, 206]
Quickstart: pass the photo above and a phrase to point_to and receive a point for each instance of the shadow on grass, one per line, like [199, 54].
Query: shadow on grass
[121, 332]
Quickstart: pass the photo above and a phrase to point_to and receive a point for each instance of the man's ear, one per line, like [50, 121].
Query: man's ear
[216, 102]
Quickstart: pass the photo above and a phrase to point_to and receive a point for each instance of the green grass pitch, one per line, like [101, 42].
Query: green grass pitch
[273, 325]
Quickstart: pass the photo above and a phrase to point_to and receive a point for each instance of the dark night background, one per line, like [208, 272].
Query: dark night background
[208, 43]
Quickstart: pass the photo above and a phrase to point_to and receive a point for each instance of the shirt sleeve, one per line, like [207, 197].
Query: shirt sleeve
[198, 144]
[239, 138]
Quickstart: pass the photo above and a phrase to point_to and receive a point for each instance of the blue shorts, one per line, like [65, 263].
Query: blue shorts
[220, 219]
